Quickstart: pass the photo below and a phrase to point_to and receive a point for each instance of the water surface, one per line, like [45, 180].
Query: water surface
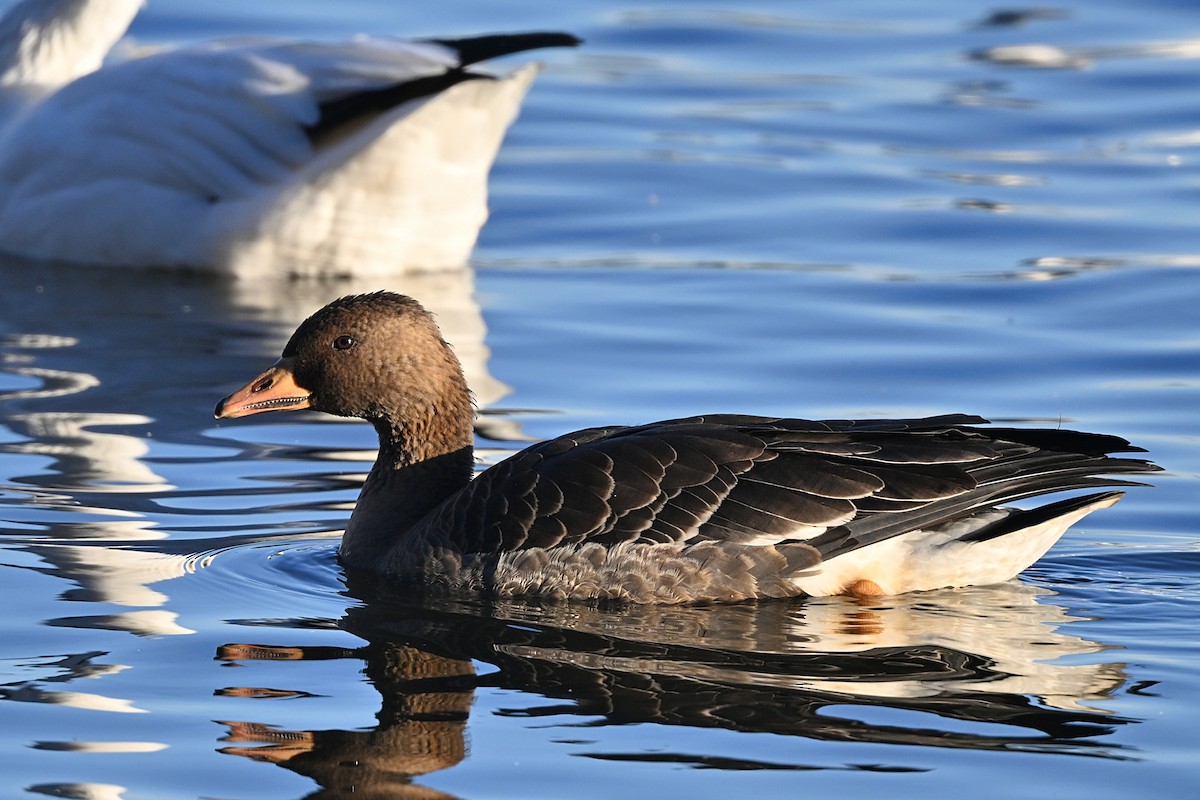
[812, 210]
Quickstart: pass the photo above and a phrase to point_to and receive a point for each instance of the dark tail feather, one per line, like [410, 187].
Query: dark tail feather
[1019, 520]
[481, 48]
[351, 109]
[340, 114]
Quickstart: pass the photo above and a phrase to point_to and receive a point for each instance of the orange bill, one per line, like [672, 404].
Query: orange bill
[274, 390]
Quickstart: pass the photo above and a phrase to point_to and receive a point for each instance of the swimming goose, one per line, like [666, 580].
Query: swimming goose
[713, 508]
[366, 156]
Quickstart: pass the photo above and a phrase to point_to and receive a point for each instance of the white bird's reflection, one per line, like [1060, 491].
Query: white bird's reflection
[1049, 56]
[100, 747]
[98, 461]
[85, 700]
[81, 791]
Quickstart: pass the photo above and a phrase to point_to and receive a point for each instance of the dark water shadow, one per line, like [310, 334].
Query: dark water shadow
[986, 669]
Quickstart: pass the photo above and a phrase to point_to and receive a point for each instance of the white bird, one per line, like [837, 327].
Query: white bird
[251, 158]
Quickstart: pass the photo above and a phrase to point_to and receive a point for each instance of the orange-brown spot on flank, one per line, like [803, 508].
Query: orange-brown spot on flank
[864, 587]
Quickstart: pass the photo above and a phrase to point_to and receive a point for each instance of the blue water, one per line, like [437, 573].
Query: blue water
[818, 209]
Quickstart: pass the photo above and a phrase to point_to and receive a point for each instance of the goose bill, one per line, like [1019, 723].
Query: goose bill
[274, 390]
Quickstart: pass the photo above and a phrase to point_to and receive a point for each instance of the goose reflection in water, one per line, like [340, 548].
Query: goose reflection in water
[1000, 659]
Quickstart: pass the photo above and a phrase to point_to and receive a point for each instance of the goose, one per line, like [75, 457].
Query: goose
[721, 507]
[368, 156]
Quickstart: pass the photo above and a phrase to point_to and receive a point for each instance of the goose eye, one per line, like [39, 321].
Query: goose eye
[344, 342]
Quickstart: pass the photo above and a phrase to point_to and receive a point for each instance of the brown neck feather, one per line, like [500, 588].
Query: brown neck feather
[426, 454]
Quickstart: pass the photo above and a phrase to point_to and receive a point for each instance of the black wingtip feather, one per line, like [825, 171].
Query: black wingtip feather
[475, 49]
[341, 113]
[1062, 440]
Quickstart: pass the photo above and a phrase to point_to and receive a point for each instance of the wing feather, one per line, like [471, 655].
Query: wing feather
[813, 489]
[817, 476]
